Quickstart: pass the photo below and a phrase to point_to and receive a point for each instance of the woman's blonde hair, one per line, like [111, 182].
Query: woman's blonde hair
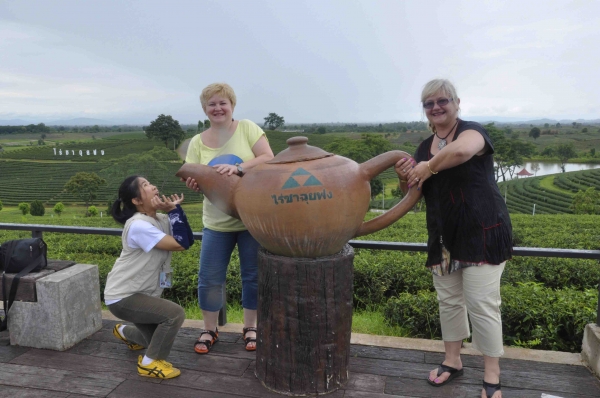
[433, 87]
[222, 89]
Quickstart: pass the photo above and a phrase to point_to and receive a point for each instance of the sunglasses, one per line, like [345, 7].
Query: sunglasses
[440, 102]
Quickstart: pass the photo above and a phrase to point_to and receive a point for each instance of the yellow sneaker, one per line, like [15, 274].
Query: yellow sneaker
[132, 346]
[159, 369]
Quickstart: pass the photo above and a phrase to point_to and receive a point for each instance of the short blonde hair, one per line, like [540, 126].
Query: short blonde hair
[222, 89]
[436, 85]
[432, 87]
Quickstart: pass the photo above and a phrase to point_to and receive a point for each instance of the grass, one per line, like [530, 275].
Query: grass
[363, 321]
[548, 183]
[373, 322]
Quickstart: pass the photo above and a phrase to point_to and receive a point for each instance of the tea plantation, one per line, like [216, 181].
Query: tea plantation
[546, 301]
[40, 172]
[26, 181]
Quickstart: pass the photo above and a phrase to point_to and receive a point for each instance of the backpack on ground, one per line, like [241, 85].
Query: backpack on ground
[20, 257]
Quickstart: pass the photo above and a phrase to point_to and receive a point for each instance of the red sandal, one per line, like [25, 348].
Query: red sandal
[249, 340]
[208, 344]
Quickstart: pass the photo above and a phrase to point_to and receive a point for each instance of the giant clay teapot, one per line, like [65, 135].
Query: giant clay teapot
[305, 202]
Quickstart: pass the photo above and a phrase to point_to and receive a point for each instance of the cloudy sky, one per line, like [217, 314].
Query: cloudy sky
[307, 60]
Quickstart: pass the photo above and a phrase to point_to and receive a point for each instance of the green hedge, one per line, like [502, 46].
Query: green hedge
[379, 275]
[533, 316]
[554, 273]
[538, 317]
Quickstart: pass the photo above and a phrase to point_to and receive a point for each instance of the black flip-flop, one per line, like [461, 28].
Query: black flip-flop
[454, 373]
[491, 389]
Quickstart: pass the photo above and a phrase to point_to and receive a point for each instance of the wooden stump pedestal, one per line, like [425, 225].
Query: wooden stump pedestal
[304, 322]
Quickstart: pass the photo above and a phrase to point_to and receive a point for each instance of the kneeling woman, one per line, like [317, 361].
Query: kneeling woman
[136, 281]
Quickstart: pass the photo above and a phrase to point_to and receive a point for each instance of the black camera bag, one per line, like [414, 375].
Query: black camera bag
[20, 257]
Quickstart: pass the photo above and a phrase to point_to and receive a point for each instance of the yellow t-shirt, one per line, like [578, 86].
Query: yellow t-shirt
[237, 150]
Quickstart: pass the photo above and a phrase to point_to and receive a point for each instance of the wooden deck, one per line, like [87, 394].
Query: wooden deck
[101, 366]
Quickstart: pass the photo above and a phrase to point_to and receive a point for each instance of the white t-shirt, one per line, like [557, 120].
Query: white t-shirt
[142, 235]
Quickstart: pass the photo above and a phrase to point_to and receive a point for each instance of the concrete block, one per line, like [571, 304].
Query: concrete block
[67, 310]
[590, 353]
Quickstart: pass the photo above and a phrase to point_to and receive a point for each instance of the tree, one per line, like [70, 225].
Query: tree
[165, 129]
[200, 125]
[508, 153]
[548, 152]
[535, 133]
[40, 128]
[85, 186]
[274, 121]
[376, 187]
[92, 211]
[37, 208]
[564, 153]
[397, 192]
[535, 167]
[24, 208]
[206, 124]
[587, 202]
[58, 208]
[321, 130]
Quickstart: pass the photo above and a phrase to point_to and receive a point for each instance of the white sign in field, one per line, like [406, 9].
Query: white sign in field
[87, 152]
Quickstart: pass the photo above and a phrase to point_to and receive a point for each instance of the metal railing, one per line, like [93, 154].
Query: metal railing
[38, 229]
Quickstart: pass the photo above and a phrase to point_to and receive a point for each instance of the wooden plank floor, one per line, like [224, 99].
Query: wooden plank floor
[101, 366]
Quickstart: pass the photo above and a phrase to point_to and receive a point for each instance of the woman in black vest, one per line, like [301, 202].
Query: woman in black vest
[470, 233]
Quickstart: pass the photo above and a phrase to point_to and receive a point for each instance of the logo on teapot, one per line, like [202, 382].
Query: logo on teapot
[301, 178]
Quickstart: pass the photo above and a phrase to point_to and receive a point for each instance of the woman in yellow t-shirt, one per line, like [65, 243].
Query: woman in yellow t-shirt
[231, 147]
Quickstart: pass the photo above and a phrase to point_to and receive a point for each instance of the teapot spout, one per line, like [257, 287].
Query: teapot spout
[378, 164]
[218, 188]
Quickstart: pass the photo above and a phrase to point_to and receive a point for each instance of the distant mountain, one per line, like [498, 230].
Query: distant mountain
[14, 122]
[514, 120]
[80, 121]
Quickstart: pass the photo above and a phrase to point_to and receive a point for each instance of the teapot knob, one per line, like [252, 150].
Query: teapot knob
[297, 141]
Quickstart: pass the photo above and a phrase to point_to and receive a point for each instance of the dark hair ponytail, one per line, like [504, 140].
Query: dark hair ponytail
[123, 208]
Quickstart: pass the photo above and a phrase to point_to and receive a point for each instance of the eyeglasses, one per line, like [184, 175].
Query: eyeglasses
[440, 102]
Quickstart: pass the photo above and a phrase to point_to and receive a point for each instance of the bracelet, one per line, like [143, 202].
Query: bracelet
[431, 171]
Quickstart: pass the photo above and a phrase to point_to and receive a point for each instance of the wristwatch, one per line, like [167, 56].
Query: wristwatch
[240, 170]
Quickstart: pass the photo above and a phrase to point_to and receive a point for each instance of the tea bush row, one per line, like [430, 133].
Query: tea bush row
[28, 181]
[523, 193]
[533, 316]
[533, 188]
[543, 202]
[563, 182]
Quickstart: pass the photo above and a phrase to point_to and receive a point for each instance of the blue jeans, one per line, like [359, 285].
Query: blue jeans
[214, 259]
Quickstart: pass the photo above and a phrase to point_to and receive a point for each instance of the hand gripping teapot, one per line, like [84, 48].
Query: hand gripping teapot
[304, 202]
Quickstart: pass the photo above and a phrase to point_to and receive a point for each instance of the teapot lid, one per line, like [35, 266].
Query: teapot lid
[299, 151]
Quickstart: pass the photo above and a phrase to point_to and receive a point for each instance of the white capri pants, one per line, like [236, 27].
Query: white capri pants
[474, 290]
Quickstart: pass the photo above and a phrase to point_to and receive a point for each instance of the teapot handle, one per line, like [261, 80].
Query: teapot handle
[372, 168]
